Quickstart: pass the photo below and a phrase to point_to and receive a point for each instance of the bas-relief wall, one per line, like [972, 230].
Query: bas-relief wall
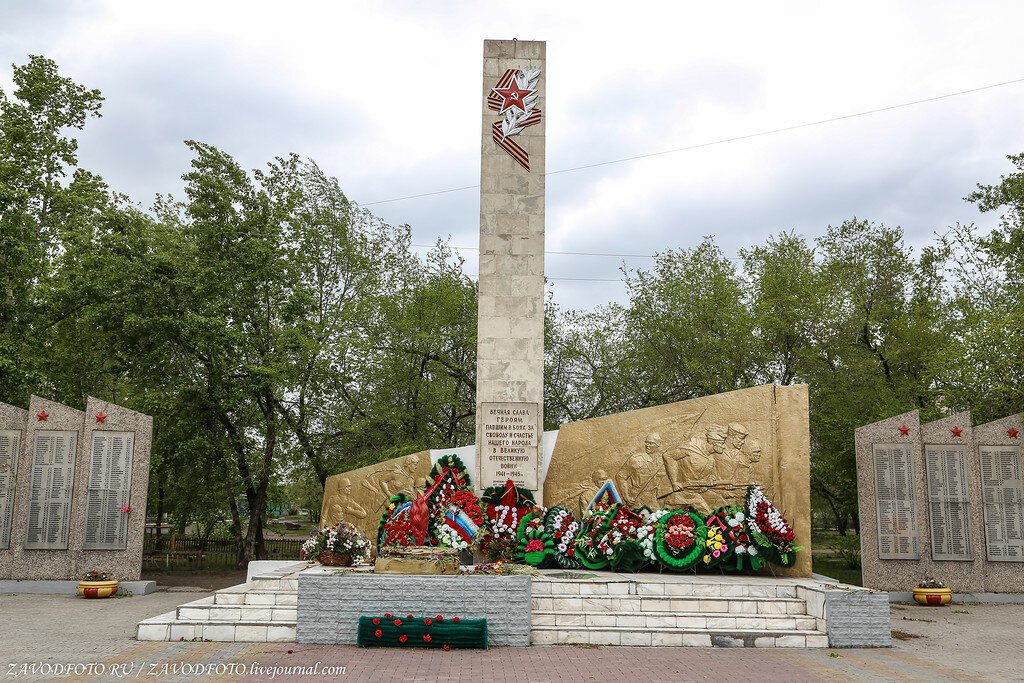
[702, 452]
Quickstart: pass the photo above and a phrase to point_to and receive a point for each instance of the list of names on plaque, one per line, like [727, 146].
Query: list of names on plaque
[110, 483]
[510, 436]
[895, 502]
[949, 501]
[1002, 487]
[10, 442]
[52, 482]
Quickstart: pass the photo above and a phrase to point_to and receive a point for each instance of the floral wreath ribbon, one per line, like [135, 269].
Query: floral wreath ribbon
[515, 100]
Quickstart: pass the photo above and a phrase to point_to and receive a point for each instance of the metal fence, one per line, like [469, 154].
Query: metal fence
[195, 552]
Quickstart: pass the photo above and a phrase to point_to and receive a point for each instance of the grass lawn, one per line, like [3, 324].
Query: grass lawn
[835, 568]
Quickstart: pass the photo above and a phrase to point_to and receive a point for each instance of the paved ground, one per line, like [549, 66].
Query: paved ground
[958, 643]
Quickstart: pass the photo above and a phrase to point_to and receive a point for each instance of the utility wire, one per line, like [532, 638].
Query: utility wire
[723, 140]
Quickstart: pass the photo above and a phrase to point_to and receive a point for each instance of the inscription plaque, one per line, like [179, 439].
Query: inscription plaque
[949, 502]
[895, 503]
[110, 482]
[10, 442]
[52, 482]
[1002, 487]
[509, 442]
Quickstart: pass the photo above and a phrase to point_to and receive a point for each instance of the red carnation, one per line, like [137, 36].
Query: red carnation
[409, 616]
[378, 633]
[447, 647]
[438, 618]
[397, 622]
[428, 621]
[402, 638]
[387, 616]
[426, 638]
[456, 620]
[376, 621]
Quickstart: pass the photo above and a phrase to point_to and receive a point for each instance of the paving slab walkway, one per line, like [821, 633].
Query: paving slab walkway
[957, 643]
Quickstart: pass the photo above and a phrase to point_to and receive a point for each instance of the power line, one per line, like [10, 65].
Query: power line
[723, 140]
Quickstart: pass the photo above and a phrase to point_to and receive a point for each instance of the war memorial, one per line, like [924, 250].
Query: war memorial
[685, 524]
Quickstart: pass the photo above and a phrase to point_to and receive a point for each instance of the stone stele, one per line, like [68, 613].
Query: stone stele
[702, 452]
[360, 496]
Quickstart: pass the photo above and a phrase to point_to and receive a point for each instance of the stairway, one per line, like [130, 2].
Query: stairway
[260, 611]
[601, 608]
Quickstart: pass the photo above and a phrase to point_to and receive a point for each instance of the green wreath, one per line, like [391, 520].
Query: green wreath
[720, 544]
[593, 529]
[535, 547]
[492, 496]
[688, 556]
[453, 463]
[628, 557]
[395, 501]
[567, 559]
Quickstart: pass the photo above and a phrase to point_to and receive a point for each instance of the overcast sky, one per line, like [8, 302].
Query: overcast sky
[386, 97]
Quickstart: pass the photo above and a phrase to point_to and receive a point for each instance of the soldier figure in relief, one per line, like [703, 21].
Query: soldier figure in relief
[637, 480]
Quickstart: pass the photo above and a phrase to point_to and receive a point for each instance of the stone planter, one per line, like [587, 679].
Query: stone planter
[97, 589]
[933, 596]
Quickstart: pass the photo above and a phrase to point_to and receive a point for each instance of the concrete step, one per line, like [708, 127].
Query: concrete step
[231, 596]
[265, 583]
[684, 620]
[675, 637]
[169, 627]
[207, 610]
[669, 603]
[544, 588]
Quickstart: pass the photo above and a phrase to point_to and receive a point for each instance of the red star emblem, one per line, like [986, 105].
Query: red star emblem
[512, 96]
[101, 417]
[904, 430]
[956, 431]
[1012, 432]
[43, 415]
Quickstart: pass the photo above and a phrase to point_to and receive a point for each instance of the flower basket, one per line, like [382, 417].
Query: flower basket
[332, 559]
[97, 589]
[933, 596]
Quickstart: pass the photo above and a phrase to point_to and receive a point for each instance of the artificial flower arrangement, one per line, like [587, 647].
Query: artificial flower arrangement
[930, 582]
[344, 540]
[504, 508]
[770, 531]
[562, 526]
[98, 576]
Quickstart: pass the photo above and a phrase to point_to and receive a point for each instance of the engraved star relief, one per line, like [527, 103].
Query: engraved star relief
[1012, 432]
[904, 430]
[513, 97]
[956, 431]
[101, 417]
[43, 415]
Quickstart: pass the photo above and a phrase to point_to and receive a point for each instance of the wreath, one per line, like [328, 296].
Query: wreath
[645, 533]
[592, 549]
[535, 546]
[679, 539]
[720, 546]
[627, 554]
[395, 528]
[562, 526]
[454, 464]
[458, 526]
[769, 530]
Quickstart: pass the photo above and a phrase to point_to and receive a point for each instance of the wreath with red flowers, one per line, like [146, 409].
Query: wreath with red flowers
[679, 539]
[453, 463]
[770, 531]
[394, 528]
[592, 548]
[562, 526]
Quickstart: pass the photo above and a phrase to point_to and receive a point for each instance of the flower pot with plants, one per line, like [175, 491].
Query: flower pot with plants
[931, 591]
[340, 546]
[97, 585]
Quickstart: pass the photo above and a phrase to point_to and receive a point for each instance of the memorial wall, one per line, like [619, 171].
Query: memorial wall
[943, 499]
[73, 489]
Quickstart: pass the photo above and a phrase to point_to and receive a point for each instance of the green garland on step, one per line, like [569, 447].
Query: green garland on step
[403, 631]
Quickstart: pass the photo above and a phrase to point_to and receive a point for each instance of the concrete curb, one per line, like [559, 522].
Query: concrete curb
[9, 587]
[959, 598]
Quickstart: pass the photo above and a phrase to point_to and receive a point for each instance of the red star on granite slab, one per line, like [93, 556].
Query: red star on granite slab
[904, 430]
[956, 431]
[512, 96]
[1012, 432]
[101, 417]
[42, 415]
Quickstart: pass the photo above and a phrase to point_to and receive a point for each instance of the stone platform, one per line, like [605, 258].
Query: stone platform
[565, 607]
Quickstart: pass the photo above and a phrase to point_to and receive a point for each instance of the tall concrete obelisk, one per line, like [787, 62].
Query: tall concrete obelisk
[510, 336]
